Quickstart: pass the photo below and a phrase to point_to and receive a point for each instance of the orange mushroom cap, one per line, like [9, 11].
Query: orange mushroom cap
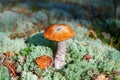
[9, 54]
[43, 62]
[58, 32]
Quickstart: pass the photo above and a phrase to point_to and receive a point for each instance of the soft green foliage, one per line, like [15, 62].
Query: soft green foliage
[13, 22]
[40, 47]
[39, 17]
[28, 76]
[118, 11]
[1, 6]
[114, 28]
[8, 20]
[22, 26]
[59, 14]
[4, 74]
[104, 58]
[30, 59]
[6, 44]
[26, 51]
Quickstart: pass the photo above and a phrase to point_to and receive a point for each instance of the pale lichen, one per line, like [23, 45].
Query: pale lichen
[28, 76]
[6, 44]
[8, 20]
[103, 57]
[4, 74]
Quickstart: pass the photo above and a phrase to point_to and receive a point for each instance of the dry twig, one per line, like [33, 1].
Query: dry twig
[92, 33]
[11, 66]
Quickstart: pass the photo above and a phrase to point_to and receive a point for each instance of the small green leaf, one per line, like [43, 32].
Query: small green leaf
[24, 52]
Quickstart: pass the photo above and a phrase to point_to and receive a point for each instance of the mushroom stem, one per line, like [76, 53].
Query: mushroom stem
[60, 55]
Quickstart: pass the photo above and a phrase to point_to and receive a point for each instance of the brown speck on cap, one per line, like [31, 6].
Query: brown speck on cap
[58, 32]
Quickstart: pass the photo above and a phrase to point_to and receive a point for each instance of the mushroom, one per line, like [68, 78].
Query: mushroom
[9, 54]
[59, 33]
[43, 62]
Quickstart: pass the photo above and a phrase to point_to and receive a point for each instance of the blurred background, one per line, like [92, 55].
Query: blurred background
[102, 16]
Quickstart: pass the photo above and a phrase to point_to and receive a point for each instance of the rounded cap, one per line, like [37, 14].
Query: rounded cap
[58, 32]
[43, 62]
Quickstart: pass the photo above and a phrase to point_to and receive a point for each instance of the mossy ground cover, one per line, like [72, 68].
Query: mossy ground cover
[103, 58]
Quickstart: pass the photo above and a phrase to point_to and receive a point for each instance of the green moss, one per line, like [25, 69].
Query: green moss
[6, 44]
[26, 51]
[28, 76]
[8, 20]
[40, 17]
[30, 59]
[4, 74]
[104, 58]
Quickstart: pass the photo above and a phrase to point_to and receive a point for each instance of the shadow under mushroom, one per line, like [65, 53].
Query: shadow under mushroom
[39, 40]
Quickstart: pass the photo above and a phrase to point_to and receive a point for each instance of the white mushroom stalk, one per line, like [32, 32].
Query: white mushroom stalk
[60, 55]
[59, 33]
